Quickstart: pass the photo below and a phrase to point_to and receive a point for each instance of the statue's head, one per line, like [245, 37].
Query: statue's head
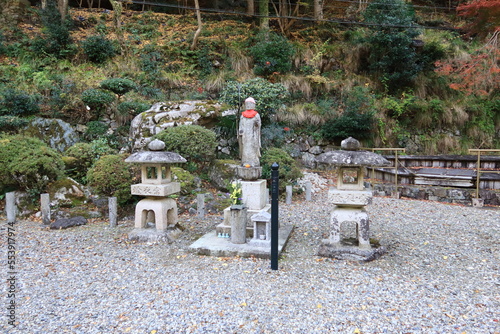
[250, 103]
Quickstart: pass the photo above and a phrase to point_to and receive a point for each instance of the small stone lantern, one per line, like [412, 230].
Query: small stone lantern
[350, 196]
[156, 183]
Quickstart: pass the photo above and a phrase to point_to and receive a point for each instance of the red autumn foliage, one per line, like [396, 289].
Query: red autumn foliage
[485, 15]
[479, 75]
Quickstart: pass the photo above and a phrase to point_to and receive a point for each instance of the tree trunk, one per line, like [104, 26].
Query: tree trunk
[200, 25]
[62, 5]
[318, 10]
[264, 14]
[250, 7]
[117, 20]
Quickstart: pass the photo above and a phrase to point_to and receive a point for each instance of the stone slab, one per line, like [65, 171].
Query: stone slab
[210, 244]
[154, 235]
[157, 190]
[353, 253]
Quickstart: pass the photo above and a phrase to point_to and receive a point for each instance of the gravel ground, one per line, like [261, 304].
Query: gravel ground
[441, 275]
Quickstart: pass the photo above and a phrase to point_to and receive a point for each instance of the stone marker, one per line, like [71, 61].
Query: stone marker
[200, 205]
[238, 224]
[10, 206]
[112, 203]
[45, 208]
[308, 190]
[288, 194]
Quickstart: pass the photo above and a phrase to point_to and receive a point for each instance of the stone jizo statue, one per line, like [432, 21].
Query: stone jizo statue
[249, 135]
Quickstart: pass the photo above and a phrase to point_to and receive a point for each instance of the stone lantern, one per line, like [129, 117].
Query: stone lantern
[350, 197]
[156, 210]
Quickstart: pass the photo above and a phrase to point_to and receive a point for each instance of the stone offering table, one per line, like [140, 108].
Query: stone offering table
[349, 199]
[156, 215]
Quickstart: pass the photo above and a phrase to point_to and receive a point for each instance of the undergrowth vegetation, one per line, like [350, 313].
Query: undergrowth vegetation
[389, 83]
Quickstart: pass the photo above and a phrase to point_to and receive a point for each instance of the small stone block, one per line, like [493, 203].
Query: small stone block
[477, 202]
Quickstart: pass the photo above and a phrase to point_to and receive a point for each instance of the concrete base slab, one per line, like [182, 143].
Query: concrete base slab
[154, 235]
[211, 244]
[349, 252]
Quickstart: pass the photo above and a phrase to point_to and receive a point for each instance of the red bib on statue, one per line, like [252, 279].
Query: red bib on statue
[249, 113]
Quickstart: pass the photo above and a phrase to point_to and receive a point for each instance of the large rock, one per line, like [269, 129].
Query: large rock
[56, 133]
[63, 223]
[168, 114]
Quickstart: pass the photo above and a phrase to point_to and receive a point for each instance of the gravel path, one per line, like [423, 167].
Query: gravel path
[441, 275]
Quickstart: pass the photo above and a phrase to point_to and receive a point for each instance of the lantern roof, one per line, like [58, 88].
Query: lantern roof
[350, 155]
[156, 155]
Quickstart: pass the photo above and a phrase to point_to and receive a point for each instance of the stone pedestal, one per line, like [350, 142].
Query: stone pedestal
[164, 213]
[342, 214]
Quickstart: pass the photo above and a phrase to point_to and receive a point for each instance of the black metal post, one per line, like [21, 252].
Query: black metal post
[274, 215]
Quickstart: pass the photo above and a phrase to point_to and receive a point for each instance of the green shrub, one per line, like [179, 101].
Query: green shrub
[274, 135]
[119, 86]
[357, 119]
[289, 171]
[81, 156]
[12, 123]
[56, 39]
[195, 143]
[95, 130]
[98, 49]
[112, 176]
[18, 103]
[132, 108]
[391, 43]
[27, 164]
[348, 124]
[268, 97]
[97, 99]
[185, 178]
[272, 54]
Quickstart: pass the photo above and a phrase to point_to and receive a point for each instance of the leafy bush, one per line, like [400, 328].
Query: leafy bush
[272, 54]
[95, 130]
[195, 143]
[185, 178]
[97, 99]
[56, 40]
[112, 176]
[98, 49]
[348, 124]
[269, 97]
[12, 123]
[391, 43]
[357, 119]
[81, 156]
[18, 103]
[274, 135]
[132, 107]
[28, 164]
[119, 86]
[288, 168]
